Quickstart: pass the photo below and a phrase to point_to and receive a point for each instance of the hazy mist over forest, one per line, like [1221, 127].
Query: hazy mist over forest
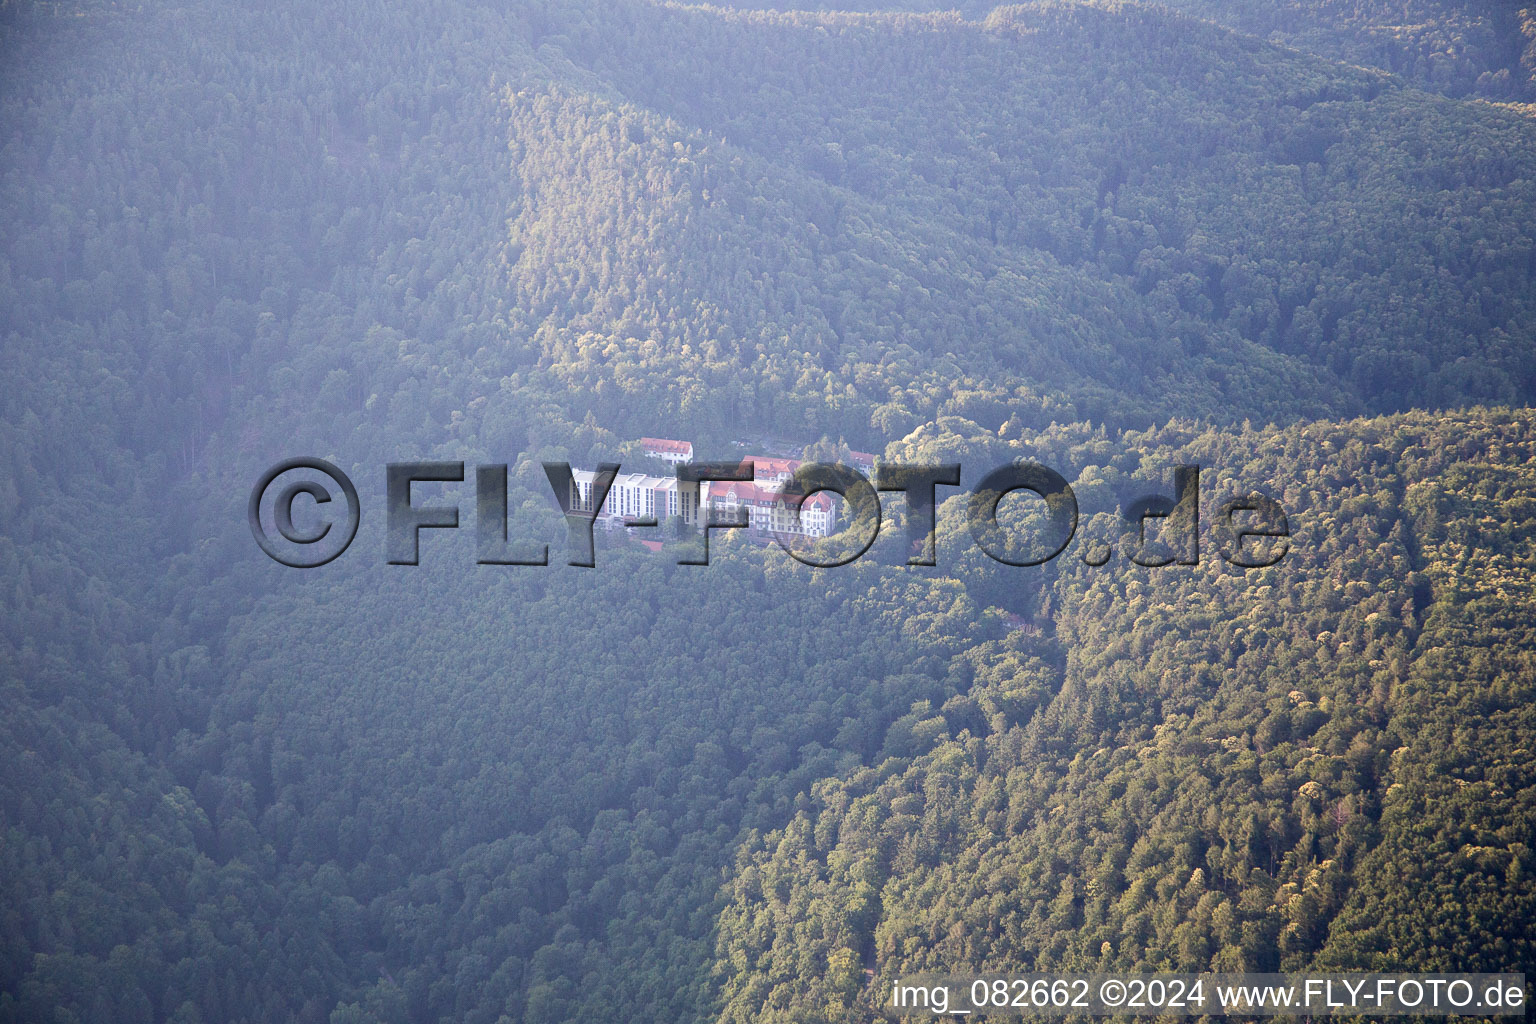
[1292, 242]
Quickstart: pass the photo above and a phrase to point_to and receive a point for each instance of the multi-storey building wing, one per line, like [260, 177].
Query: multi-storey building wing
[768, 510]
[638, 496]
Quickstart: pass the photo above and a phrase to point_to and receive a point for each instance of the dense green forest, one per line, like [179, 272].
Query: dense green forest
[1293, 243]
[1453, 47]
[1323, 763]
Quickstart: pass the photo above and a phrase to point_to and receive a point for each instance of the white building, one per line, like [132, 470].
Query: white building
[768, 511]
[637, 496]
[667, 450]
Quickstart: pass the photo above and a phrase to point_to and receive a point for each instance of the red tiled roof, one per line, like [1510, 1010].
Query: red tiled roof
[764, 466]
[768, 466]
[751, 493]
[664, 444]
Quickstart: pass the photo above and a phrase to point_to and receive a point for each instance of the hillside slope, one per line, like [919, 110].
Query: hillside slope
[1453, 47]
[1323, 763]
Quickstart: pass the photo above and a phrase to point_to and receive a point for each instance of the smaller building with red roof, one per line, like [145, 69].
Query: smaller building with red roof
[667, 450]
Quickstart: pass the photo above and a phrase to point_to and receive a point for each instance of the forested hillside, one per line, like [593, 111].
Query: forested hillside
[1101, 235]
[1320, 763]
[1453, 47]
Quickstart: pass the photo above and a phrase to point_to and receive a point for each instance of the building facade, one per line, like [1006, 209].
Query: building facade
[667, 450]
[636, 496]
[768, 510]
